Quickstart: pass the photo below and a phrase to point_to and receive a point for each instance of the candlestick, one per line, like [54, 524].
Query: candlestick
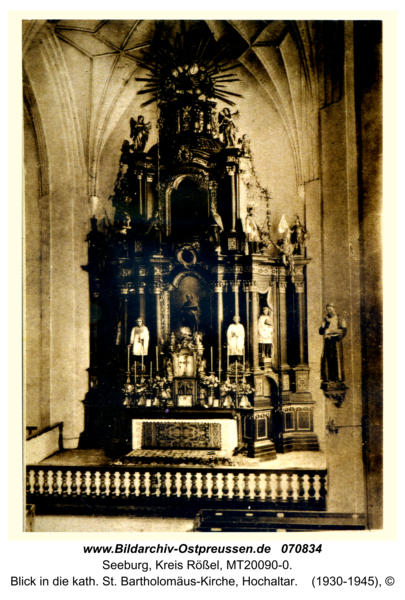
[129, 359]
[211, 360]
[157, 359]
[151, 369]
[135, 371]
[236, 372]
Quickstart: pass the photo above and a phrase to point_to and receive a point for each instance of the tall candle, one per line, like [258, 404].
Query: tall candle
[157, 359]
[129, 360]
[211, 360]
[151, 369]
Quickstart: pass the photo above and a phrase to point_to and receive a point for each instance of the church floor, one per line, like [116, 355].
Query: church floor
[97, 457]
[100, 524]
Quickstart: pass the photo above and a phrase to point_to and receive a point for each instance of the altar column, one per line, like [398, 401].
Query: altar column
[282, 325]
[218, 288]
[140, 193]
[142, 302]
[231, 173]
[149, 199]
[253, 318]
[302, 369]
[247, 302]
[124, 292]
[235, 288]
[299, 290]
[156, 291]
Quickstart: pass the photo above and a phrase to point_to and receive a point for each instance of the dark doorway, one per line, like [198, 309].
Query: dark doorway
[189, 210]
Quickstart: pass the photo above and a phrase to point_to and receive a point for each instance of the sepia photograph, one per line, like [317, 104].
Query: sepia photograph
[202, 275]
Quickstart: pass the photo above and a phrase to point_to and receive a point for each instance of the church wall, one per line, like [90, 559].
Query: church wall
[313, 219]
[341, 285]
[67, 354]
[368, 46]
[32, 241]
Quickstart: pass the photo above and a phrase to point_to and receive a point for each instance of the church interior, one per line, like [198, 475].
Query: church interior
[203, 275]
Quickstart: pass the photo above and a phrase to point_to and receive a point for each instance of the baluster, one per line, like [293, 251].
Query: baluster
[55, 486]
[246, 487]
[173, 484]
[323, 488]
[83, 486]
[267, 489]
[132, 486]
[214, 486]
[103, 485]
[153, 484]
[46, 483]
[164, 490]
[290, 489]
[311, 490]
[93, 484]
[142, 484]
[235, 489]
[204, 484]
[279, 488]
[300, 488]
[183, 485]
[36, 483]
[317, 487]
[225, 486]
[257, 488]
[74, 483]
[113, 484]
[194, 488]
[64, 484]
[122, 486]
[28, 481]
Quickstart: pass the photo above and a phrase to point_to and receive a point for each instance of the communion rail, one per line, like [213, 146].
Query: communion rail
[135, 486]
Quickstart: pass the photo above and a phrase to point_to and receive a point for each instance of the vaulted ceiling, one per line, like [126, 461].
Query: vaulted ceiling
[278, 54]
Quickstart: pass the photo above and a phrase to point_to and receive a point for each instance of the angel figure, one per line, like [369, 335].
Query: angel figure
[227, 127]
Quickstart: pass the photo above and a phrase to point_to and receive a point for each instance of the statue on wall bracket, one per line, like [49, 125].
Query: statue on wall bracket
[139, 133]
[333, 329]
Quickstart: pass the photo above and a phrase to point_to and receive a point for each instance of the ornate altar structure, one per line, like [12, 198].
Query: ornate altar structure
[185, 256]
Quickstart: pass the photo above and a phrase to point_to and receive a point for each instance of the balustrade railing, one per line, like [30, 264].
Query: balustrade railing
[144, 484]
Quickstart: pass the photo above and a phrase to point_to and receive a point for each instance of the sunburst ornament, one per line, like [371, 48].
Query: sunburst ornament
[186, 67]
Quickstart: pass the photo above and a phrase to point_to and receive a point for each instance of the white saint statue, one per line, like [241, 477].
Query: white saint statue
[236, 337]
[265, 333]
[140, 339]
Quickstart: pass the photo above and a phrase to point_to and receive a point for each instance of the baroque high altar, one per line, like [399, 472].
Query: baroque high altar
[198, 318]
